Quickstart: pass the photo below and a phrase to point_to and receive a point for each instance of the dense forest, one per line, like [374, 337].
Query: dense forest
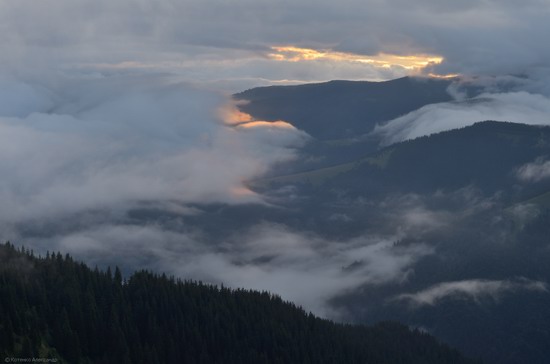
[56, 307]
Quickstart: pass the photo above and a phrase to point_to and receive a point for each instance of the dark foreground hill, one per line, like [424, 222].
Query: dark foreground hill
[58, 308]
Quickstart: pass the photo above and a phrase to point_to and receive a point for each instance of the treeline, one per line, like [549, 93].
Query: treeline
[56, 307]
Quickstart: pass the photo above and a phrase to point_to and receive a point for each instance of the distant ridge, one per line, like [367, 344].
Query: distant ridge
[342, 109]
[483, 154]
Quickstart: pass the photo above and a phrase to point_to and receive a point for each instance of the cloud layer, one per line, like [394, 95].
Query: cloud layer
[216, 40]
[111, 143]
[80, 154]
[300, 266]
[519, 107]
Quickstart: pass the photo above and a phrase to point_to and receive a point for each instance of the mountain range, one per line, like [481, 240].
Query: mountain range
[446, 233]
[476, 197]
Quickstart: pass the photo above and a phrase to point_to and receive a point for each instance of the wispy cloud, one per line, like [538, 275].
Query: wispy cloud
[535, 171]
[475, 290]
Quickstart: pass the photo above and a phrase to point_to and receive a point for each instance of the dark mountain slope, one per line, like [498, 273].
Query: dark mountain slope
[486, 155]
[510, 327]
[56, 307]
[342, 109]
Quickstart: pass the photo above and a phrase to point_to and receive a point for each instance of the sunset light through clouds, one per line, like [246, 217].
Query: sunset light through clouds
[362, 161]
[414, 63]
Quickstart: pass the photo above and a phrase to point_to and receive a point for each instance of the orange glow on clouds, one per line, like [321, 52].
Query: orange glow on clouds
[414, 63]
[242, 191]
[449, 76]
[231, 115]
[239, 117]
[266, 124]
[234, 117]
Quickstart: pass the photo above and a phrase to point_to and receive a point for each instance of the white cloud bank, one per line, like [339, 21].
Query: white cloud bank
[110, 143]
[519, 107]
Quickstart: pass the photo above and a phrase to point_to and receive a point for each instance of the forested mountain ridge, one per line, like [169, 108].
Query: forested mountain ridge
[486, 154]
[59, 308]
[479, 196]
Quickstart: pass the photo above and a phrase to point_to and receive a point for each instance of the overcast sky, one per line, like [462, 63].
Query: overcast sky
[230, 42]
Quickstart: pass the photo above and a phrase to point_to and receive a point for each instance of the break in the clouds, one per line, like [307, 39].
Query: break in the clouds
[519, 107]
[217, 40]
[106, 144]
[474, 289]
